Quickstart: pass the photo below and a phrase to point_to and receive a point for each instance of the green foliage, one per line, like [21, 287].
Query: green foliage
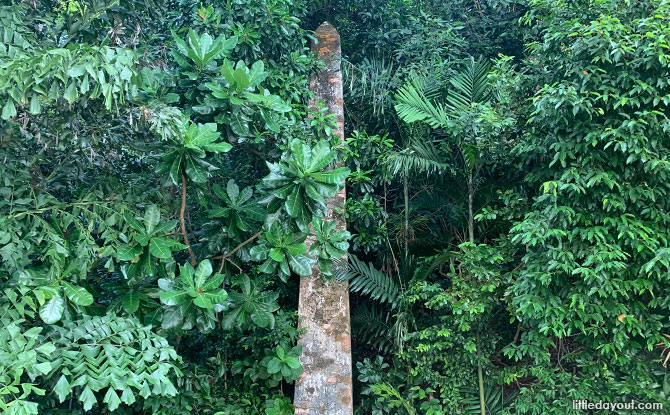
[282, 250]
[192, 298]
[22, 353]
[284, 364]
[251, 304]
[85, 72]
[186, 154]
[506, 225]
[329, 245]
[112, 357]
[147, 242]
[302, 181]
[202, 50]
[598, 222]
[367, 280]
[238, 210]
[111, 109]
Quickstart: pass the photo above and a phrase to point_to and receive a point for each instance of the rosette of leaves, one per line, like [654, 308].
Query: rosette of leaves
[196, 57]
[231, 91]
[193, 298]
[238, 210]
[330, 244]
[251, 304]
[186, 152]
[282, 364]
[282, 250]
[150, 240]
[239, 92]
[201, 50]
[301, 181]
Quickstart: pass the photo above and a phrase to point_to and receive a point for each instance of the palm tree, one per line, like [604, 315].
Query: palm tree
[469, 118]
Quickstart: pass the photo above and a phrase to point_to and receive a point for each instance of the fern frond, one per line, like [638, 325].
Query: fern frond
[367, 280]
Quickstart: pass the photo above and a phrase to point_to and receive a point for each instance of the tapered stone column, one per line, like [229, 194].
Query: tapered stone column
[326, 386]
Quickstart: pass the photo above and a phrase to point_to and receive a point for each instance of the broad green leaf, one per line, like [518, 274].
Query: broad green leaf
[202, 272]
[8, 110]
[263, 319]
[44, 367]
[70, 93]
[241, 78]
[52, 311]
[202, 301]
[274, 365]
[111, 399]
[292, 362]
[220, 147]
[35, 105]
[132, 222]
[172, 318]
[160, 247]
[277, 254]
[214, 282]
[301, 264]
[131, 302]
[280, 352]
[77, 295]
[294, 203]
[62, 388]
[232, 190]
[151, 218]
[127, 396]
[322, 156]
[128, 253]
[194, 171]
[259, 253]
[335, 176]
[296, 249]
[173, 297]
[87, 398]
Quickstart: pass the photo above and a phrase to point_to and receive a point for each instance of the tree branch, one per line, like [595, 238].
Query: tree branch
[182, 222]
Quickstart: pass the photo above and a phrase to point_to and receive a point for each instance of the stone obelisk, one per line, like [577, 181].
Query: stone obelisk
[326, 386]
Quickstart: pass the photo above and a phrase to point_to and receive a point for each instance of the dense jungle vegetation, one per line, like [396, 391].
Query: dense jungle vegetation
[507, 167]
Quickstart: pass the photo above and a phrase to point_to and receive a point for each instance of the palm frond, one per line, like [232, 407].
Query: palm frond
[436, 262]
[413, 105]
[417, 157]
[494, 399]
[374, 326]
[471, 85]
[367, 280]
[368, 81]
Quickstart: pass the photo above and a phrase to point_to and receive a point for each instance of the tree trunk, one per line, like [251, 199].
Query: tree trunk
[323, 310]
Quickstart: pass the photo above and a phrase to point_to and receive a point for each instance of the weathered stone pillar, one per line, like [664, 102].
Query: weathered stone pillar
[326, 386]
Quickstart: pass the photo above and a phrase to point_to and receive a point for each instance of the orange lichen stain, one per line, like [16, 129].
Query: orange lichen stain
[346, 343]
[331, 380]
